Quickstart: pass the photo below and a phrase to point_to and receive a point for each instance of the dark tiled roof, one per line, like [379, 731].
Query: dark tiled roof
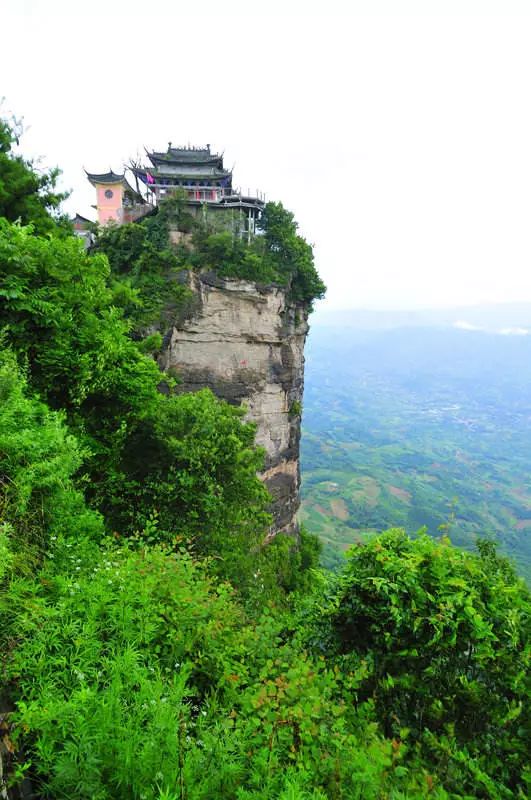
[105, 177]
[159, 172]
[182, 176]
[186, 155]
[81, 220]
[113, 178]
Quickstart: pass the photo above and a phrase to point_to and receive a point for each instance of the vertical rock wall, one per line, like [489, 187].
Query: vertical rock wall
[246, 343]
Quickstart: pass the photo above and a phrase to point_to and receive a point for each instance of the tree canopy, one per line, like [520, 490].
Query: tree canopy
[445, 635]
[26, 193]
[142, 254]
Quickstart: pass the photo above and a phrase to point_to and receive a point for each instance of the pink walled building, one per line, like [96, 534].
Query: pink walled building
[116, 200]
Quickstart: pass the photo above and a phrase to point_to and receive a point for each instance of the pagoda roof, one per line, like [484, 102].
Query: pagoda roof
[159, 172]
[197, 156]
[113, 178]
[105, 177]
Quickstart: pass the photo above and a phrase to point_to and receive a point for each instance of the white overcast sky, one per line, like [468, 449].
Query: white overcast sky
[398, 132]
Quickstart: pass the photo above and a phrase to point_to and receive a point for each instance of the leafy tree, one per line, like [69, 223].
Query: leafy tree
[446, 635]
[289, 254]
[25, 193]
[58, 313]
[188, 459]
[190, 465]
[122, 244]
[145, 268]
[138, 675]
[38, 459]
[278, 256]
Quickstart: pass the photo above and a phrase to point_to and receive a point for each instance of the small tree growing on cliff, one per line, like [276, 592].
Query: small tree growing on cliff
[290, 254]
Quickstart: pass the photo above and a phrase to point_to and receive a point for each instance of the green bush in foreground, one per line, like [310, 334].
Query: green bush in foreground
[38, 458]
[140, 676]
[445, 635]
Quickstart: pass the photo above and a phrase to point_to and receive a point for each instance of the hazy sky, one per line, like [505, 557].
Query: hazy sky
[398, 132]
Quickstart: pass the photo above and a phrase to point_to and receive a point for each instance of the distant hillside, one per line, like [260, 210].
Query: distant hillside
[503, 317]
[418, 426]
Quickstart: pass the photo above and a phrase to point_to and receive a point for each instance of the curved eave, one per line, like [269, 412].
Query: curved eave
[155, 173]
[219, 176]
[162, 159]
[105, 177]
[81, 219]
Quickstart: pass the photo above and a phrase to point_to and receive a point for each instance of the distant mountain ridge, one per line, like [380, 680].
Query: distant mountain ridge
[503, 318]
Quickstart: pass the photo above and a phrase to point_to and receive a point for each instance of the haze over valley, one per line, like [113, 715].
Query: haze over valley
[419, 419]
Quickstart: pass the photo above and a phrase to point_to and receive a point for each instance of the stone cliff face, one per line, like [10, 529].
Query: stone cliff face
[246, 343]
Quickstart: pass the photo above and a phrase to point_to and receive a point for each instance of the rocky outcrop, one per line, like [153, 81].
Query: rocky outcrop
[246, 343]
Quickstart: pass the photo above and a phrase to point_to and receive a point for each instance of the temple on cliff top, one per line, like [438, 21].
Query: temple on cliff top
[245, 343]
[196, 171]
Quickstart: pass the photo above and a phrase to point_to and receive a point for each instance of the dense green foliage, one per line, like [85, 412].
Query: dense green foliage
[155, 646]
[146, 267]
[280, 255]
[142, 256]
[445, 636]
[60, 320]
[38, 457]
[142, 677]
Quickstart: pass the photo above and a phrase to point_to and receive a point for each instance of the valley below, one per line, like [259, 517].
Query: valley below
[418, 427]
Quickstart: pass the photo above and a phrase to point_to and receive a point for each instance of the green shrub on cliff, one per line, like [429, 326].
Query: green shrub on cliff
[279, 255]
[290, 254]
[145, 271]
[141, 255]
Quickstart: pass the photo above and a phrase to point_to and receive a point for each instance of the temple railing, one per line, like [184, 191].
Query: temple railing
[209, 193]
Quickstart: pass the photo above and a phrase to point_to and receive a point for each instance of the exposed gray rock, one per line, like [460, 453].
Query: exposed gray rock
[245, 341]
